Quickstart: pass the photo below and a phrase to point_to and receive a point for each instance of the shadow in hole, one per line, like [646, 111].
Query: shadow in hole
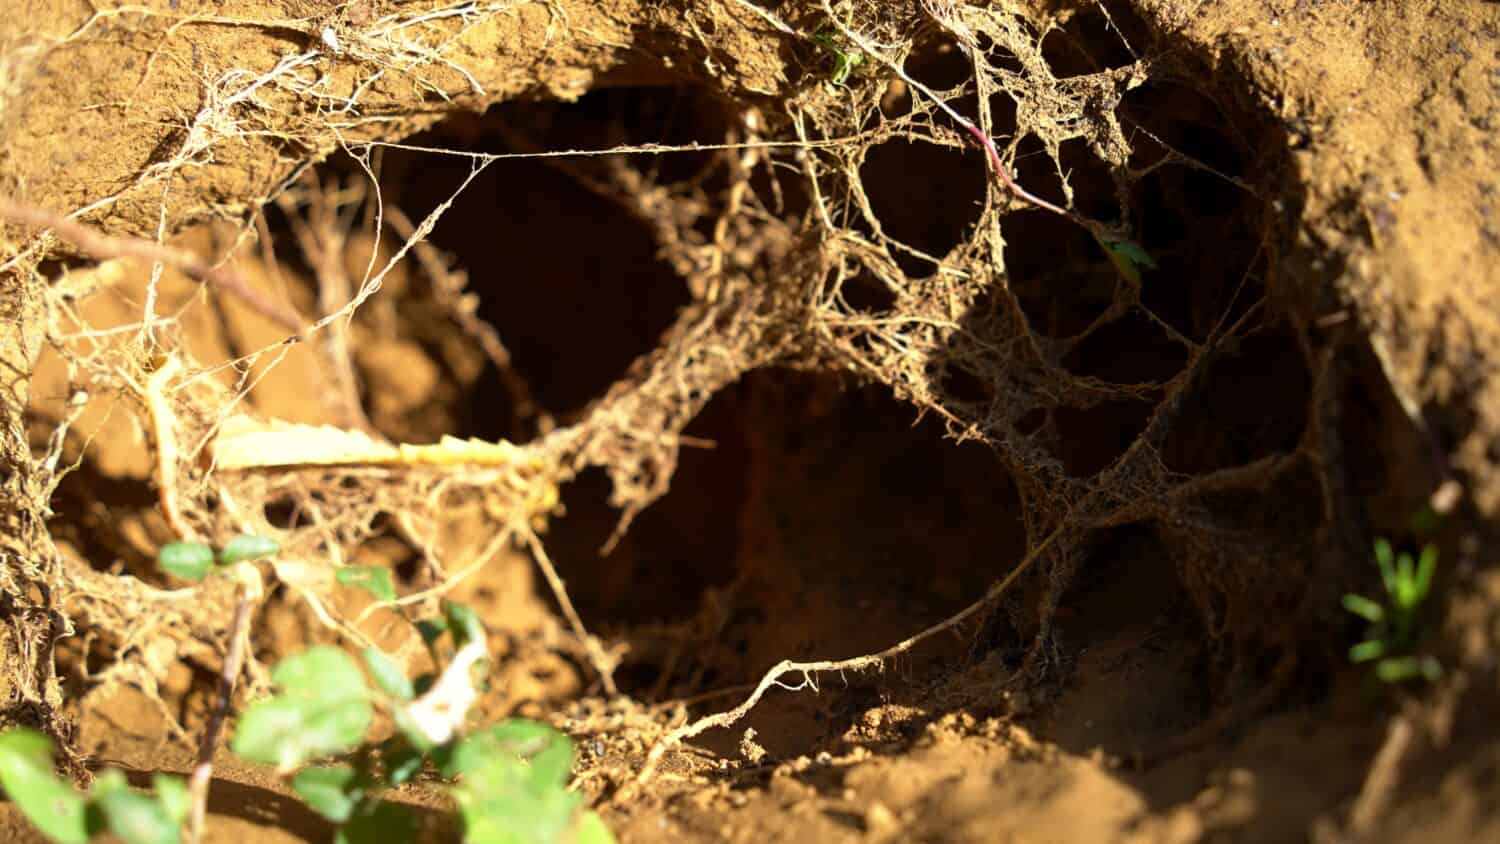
[89, 506]
[677, 549]
[1176, 615]
[846, 819]
[567, 273]
[251, 803]
[264, 807]
[863, 526]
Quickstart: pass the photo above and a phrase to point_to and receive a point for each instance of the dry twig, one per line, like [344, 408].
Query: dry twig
[103, 247]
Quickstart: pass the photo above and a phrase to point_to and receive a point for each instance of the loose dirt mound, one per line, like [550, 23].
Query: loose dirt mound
[1105, 336]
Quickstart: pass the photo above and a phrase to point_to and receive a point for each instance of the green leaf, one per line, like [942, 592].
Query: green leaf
[51, 805]
[388, 675]
[1406, 582]
[187, 560]
[551, 765]
[591, 830]
[108, 782]
[379, 824]
[501, 803]
[373, 579]
[1385, 558]
[844, 64]
[402, 762]
[287, 733]
[321, 672]
[1397, 669]
[1400, 669]
[550, 752]
[431, 629]
[323, 709]
[248, 547]
[464, 623]
[1127, 256]
[1368, 650]
[1134, 252]
[514, 783]
[330, 791]
[1364, 608]
[1426, 568]
[844, 61]
[172, 794]
[133, 818]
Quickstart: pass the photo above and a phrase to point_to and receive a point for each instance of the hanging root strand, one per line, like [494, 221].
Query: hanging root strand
[866, 662]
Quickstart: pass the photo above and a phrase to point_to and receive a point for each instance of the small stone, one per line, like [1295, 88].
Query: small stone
[750, 749]
[880, 820]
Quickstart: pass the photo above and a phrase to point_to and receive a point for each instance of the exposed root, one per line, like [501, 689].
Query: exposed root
[603, 664]
[809, 670]
[323, 238]
[167, 456]
[449, 286]
[961, 327]
[102, 247]
[1382, 778]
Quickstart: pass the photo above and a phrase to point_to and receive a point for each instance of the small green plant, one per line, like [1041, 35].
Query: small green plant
[509, 782]
[844, 60]
[68, 816]
[511, 779]
[195, 560]
[1396, 625]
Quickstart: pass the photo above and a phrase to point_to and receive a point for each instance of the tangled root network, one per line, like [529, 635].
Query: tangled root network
[979, 208]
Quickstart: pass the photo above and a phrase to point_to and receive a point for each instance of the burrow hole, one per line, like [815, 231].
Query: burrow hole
[817, 522]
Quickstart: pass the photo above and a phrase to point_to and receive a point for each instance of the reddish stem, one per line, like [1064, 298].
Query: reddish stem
[102, 246]
[234, 661]
[1004, 174]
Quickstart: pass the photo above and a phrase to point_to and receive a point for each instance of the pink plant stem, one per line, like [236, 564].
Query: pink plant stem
[234, 661]
[983, 139]
[1004, 174]
[102, 247]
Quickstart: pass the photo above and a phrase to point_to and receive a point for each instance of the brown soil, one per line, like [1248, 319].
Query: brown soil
[805, 381]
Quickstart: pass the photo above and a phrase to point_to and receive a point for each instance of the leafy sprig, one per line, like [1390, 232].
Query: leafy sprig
[1395, 627]
[511, 779]
[68, 816]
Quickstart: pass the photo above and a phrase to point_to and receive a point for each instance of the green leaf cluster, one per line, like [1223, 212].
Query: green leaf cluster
[67, 816]
[1395, 624]
[323, 709]
[195, 560]
[513, 787]
[511, 778]
[844, 60]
